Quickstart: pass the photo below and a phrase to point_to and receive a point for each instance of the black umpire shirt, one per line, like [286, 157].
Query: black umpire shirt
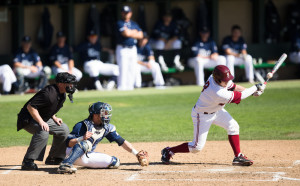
[47, 101]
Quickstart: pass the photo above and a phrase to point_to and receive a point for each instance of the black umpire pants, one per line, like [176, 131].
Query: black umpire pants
[39, 140]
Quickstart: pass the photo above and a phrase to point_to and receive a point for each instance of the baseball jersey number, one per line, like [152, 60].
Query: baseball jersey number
[206, 85]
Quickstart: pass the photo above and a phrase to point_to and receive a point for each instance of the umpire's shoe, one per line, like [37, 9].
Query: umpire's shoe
[166, 155]
[28, 164]
[241, 160]
[64, 168]
[53, 161]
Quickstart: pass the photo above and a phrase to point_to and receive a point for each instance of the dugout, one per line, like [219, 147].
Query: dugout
[24, 17]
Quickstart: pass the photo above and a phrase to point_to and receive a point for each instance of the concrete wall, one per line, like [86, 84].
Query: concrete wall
[5, 34]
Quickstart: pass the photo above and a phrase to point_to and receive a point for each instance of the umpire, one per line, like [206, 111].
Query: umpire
[38, 118]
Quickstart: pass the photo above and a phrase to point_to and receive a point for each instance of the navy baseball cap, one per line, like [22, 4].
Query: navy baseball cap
[92, 33]
[126, 9]
[60, 34]
[204, 29]
[26, 39]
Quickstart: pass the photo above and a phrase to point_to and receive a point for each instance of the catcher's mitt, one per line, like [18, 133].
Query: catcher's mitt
[143, 158]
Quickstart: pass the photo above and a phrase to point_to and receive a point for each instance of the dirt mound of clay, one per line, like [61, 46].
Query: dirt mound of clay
[275, 163]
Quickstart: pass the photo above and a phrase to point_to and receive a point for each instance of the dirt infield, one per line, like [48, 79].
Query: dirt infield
[275, 163]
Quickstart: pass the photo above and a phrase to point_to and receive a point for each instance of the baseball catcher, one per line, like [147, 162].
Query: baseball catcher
[85, 136]
[209, 109]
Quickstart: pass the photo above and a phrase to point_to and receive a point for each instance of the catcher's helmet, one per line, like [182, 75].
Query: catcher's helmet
[104, 109]
[222, 73]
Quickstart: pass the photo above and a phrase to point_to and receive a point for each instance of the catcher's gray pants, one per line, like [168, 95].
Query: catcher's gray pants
[37, 147]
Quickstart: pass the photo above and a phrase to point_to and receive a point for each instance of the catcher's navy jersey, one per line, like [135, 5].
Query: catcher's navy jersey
[126, 41]
[144, 52]
[89, 51]
[295, 45]
[27, 59]
[108, 132]
[166, 32]
[63, 55]
[204, 48]
[235, 47]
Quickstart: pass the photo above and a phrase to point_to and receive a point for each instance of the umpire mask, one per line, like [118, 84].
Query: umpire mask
[69, 79]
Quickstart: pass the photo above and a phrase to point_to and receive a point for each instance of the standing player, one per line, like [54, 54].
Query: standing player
[206, 55]
[7, 78]
[28, 64]
[295, 50]
[126, 52]
[217, 91]
[235, 47]
[62, 57]
[147, 63]
[90, 54]
[165, 36]
[85, 136]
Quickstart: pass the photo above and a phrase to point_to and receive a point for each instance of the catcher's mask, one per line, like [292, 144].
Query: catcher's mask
[104, 109]
[70, 79]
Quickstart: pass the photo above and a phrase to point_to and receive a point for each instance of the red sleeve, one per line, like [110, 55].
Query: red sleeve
[236, 97]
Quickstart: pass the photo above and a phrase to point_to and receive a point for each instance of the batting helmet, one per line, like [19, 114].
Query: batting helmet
[104, 109]
[222, 73]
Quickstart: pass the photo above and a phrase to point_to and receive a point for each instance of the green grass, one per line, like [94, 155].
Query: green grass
[164, 115]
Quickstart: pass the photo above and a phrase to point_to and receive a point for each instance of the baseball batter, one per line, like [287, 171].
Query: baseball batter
[209, 109]
[206, 55]
[146, 63]
[7, 78]
[90, 53]
[235, 50]
[85, 136]
[126, 51]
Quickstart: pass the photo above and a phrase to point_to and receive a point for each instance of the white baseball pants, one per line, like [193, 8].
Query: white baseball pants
[127, 61]
[202, 123]
[198, 64]
[155, 70]
[160, 45]
[96, 67]
[7, 77]
[27, 72]
[95, 160]
[232, 60]
[65, 68]
[295, 57]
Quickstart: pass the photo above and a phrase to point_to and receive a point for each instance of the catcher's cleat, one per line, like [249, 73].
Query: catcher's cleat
[63, 169]
[115, 163]
[53, 161]
[166, 155]
[28, 164]
[241, 160]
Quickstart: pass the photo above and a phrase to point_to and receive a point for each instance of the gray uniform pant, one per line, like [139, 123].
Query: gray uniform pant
[39, 140]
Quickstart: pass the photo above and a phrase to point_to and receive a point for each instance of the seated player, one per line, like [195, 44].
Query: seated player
[90, 53]
[62, 58]
[147, 63]
[206, 55]
[28, 64]
[165, 37]
[209, 109]
[85, 136]
[295, 50]
[235, 50]
[7, 78]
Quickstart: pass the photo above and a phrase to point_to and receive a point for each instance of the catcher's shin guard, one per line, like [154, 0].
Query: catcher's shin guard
[115, 163]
